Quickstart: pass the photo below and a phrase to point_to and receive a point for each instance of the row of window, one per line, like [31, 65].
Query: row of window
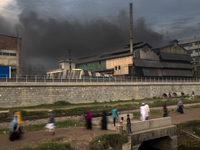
[8, 54]
[86, 64]
[118, 67]
[190, 44]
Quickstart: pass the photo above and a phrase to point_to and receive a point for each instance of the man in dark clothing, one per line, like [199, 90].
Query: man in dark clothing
[165, 112]
[104, 121]
[128, 124]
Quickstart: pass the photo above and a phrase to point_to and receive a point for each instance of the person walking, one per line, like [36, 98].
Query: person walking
[193, 94]
[143, 112]
[51, 124]
[89, 119]
[114, 115]
[165, 112]
[20, 122]
[121, 125]
[147, 111]
[128, 124]
[104, 121]
[180, 107]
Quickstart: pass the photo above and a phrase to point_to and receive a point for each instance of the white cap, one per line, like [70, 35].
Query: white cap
[143, 103]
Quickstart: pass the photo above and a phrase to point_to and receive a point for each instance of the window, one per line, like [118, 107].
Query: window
[86, 64]
[12, 54]
[1, 54]
[196, 50]
[60, 66]
[99, 62]
[5, 53]
[197, 43]
[77, 66]
[115, 67]
[119, 67]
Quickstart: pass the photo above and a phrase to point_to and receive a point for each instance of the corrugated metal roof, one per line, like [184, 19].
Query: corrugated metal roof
[152, 72]
[104, 58]
[176, 73]
[113, 54]
[147, 63]
[166, 56]
[176, 65]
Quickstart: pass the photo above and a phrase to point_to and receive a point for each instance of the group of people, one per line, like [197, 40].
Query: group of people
[16, 126]
[16, 123]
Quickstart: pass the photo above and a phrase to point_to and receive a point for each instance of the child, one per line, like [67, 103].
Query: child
[51, 122]
[121, 125]
[128, 124]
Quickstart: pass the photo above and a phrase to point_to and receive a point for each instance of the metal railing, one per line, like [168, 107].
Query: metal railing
[37, 78]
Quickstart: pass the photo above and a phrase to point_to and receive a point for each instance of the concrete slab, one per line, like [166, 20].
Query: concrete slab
[160, 122]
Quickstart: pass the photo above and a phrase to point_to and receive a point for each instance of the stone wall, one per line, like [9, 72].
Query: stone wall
[27, 93]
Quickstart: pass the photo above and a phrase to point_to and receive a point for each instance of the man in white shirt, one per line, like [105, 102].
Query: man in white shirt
[143, 112]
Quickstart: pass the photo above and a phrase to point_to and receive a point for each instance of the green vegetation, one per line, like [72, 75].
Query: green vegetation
[51, 146]
[185, 141]
[193, 125]
[96, 106]
[63, 124]
[105, 141]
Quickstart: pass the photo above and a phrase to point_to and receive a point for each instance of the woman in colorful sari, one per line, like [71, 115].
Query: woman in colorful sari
[20, 122]
[180, 107]
[89, 119]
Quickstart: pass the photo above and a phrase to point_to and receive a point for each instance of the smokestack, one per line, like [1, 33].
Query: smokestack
[70, 68]
[131, 29]
[17, 53]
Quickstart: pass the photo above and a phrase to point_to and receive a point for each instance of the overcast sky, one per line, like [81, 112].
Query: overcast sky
[77, 23]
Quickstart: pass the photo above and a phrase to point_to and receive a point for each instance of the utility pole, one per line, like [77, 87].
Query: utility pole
[70, 68]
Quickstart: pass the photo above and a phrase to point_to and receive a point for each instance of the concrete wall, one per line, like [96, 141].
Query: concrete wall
[25, 94]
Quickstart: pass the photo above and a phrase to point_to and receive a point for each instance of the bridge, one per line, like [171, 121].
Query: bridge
[154, 134]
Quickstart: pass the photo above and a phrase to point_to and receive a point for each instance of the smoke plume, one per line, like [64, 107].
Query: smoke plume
[47, 40]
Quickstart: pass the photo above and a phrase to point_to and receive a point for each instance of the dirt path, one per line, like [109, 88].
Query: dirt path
[79, 136]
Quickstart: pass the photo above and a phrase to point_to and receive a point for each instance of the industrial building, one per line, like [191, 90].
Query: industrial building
[171, 60]
[119, 63]
[11, 53]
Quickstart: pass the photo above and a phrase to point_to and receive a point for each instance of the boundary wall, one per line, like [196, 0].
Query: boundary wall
[15, 94]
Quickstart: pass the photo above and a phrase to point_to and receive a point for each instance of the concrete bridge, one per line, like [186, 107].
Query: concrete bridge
[154, 134]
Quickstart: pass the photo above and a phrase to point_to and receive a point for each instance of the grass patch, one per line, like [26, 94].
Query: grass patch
[63, 124]
[105, 141]
[51, 146]
[185, 141]
[193, 125]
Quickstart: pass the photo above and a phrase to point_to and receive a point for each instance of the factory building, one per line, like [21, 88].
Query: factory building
[11, 53]
[175, 60]
[171, 60]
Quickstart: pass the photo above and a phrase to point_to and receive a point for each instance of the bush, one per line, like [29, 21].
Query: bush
[105, 141]
[51, 146]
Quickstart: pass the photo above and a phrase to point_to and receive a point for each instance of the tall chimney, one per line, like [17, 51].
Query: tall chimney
[131, 29]
[70, 68]
[17, 53]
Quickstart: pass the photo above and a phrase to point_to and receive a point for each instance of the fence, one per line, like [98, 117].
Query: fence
[36, 78]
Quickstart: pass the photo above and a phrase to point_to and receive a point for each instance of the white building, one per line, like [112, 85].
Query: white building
[193, 46]
[64, 64]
